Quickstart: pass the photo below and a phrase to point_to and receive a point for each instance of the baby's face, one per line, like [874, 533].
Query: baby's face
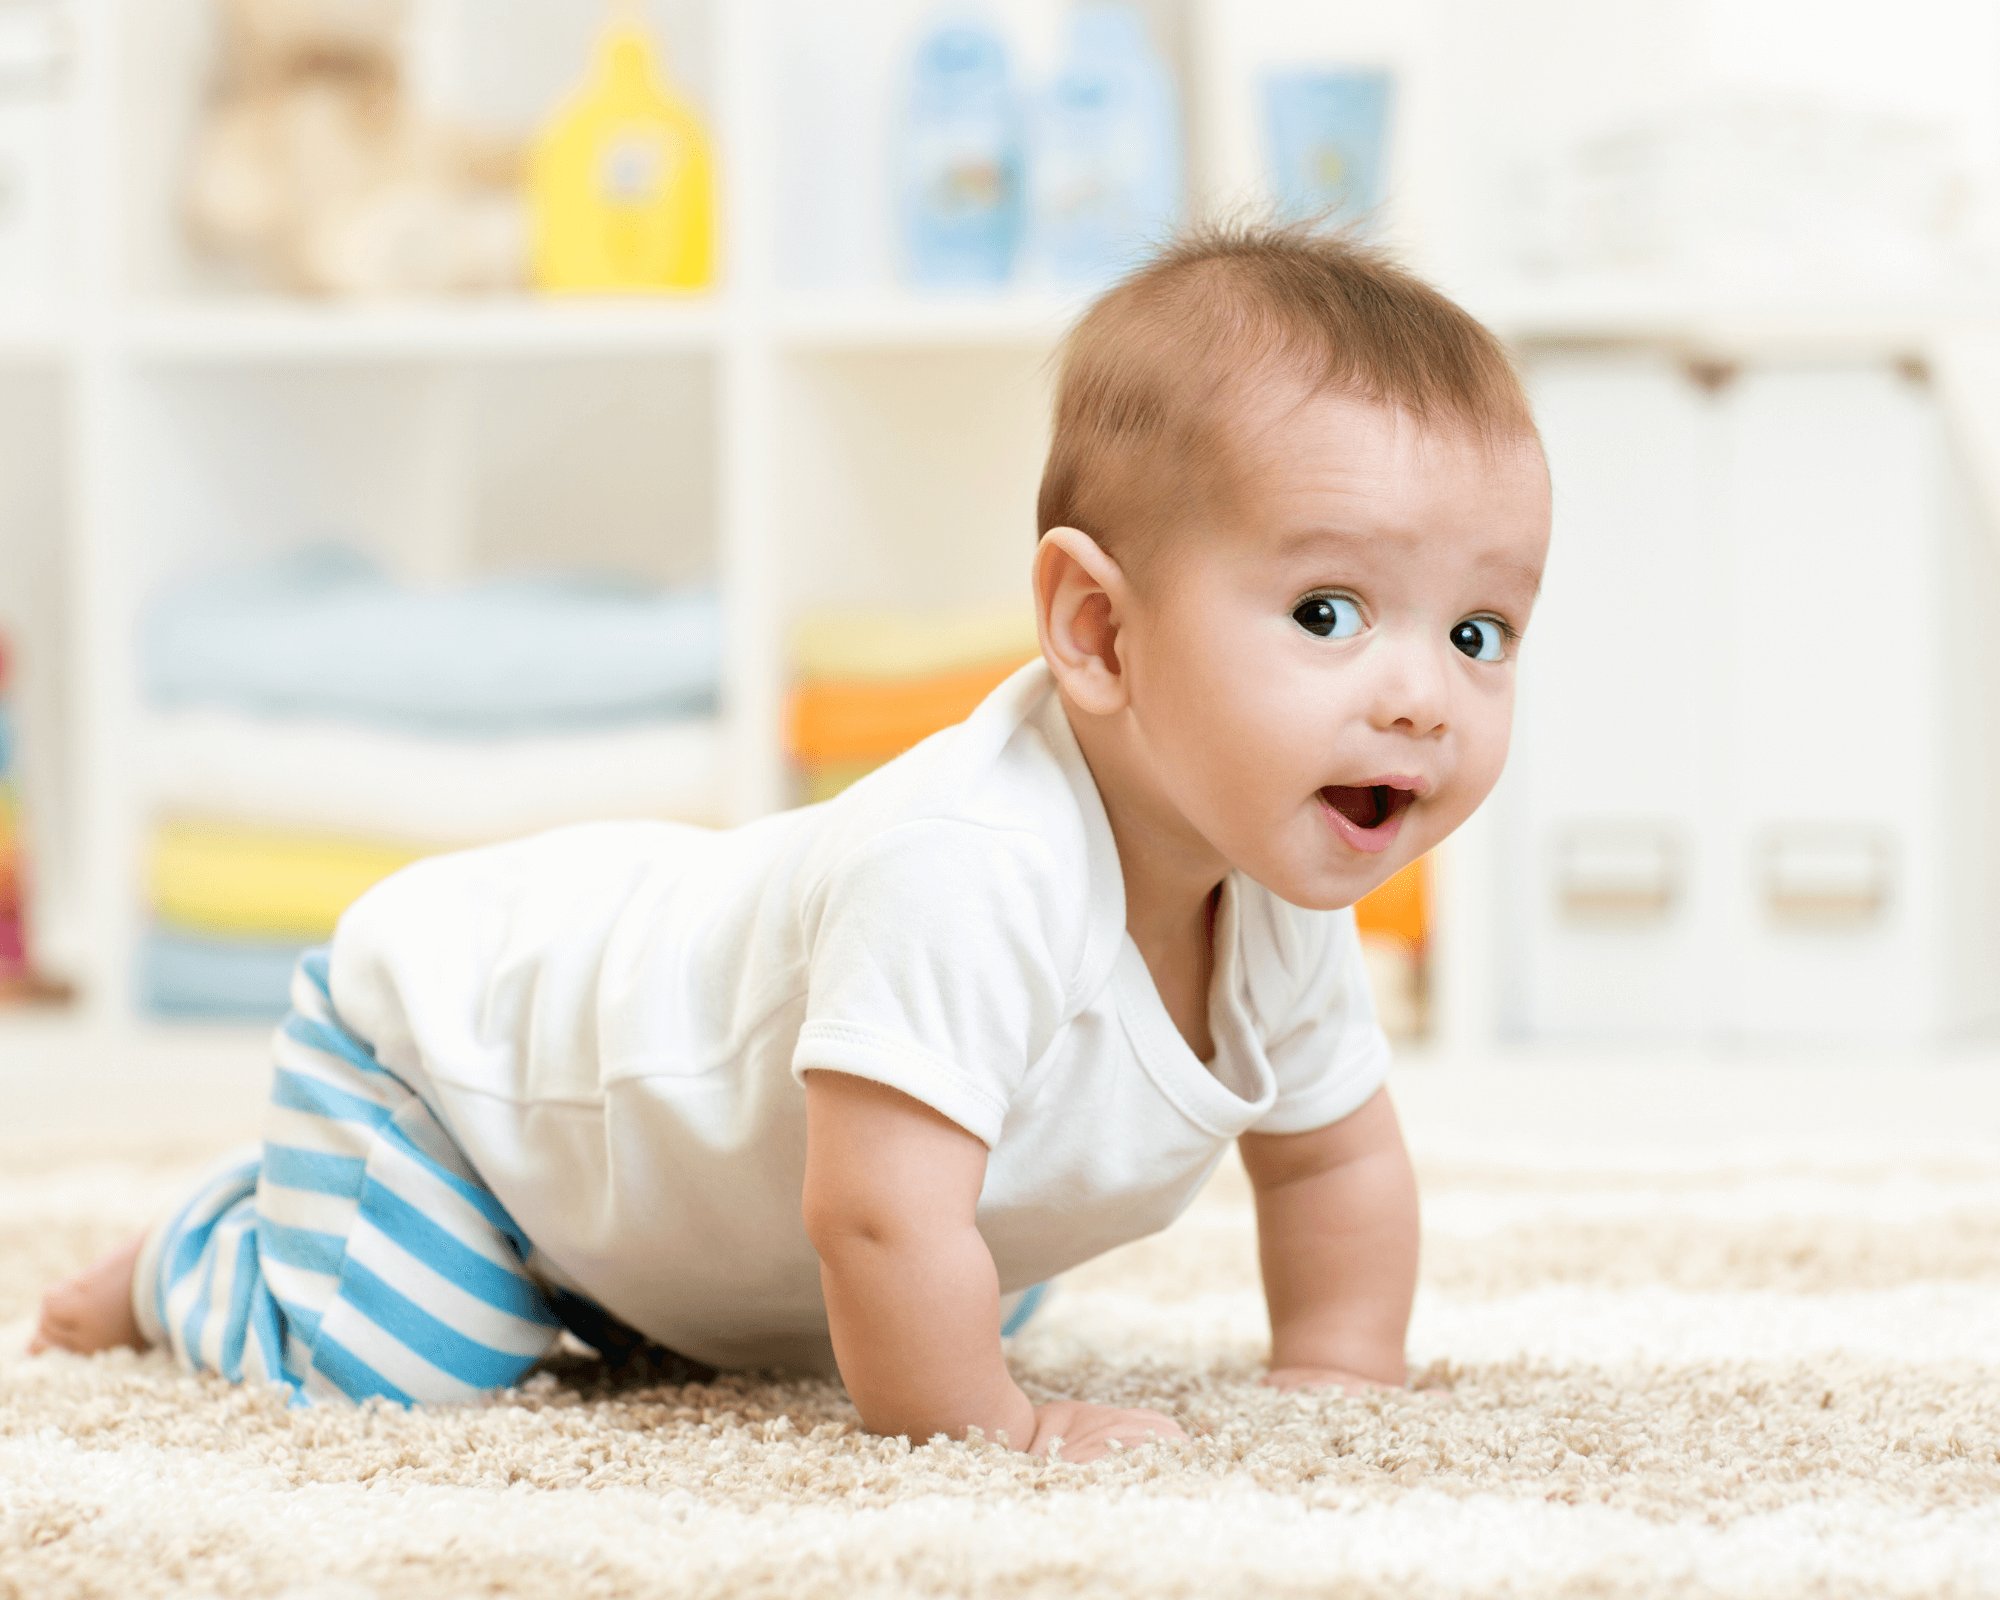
[1326, 683]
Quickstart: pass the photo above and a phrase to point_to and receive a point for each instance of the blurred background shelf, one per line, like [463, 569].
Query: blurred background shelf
[531, 326]
[497, 328]
[475, 330]
[1800, 321]
[832, 320]
[813, 433]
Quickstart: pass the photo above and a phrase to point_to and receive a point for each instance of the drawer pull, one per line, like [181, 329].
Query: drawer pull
[1825, 875]
[1619, 871]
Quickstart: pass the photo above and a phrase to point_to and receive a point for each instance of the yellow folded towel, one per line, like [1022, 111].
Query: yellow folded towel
[221, 878]
[824, 782]
[897, 644]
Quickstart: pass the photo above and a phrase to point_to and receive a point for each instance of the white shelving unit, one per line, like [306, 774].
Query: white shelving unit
[155, 421]
[761, 432]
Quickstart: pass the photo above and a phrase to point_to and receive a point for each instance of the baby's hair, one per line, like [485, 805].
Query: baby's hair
[1152, 376]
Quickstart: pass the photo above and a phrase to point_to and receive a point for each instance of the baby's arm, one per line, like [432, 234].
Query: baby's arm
[912, 1295]
[1337, 1239]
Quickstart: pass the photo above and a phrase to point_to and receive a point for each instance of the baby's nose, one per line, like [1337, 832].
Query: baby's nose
[1412, 697]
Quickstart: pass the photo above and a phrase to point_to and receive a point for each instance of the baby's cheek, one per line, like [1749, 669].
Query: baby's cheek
[1476, 770]
[1486, 726]
[1477, 776]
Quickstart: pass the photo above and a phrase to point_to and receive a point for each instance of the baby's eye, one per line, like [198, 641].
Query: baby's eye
[1482, 638]
[1329, 616]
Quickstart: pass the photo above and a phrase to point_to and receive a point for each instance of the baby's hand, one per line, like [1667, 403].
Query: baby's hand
[1321, 1378]
[1086, 1431]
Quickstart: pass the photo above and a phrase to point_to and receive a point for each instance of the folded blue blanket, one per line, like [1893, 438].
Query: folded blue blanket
[322, 630]
[193, 975]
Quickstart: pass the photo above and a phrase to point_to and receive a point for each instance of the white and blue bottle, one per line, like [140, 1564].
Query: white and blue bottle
[961, 157]
[1104, 152]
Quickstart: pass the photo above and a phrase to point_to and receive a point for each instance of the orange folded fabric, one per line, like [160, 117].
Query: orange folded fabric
[1400, 909]
[860, 719]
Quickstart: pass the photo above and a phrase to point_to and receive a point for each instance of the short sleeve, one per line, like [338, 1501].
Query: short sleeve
[1310, 990]
[933, 966]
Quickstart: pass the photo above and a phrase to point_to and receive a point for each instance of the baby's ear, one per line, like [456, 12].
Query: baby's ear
[1080, 600]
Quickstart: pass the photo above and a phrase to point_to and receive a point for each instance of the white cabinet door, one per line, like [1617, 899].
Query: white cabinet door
[1608, 811]
[1831, 818]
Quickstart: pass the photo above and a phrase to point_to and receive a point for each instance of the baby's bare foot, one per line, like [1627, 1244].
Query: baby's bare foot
[93, 1310]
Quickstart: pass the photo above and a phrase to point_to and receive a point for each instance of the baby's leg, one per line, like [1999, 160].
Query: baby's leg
[354, 1253]
[93, 1310]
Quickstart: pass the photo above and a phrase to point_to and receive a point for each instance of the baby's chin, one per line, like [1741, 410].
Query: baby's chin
[1326, 891]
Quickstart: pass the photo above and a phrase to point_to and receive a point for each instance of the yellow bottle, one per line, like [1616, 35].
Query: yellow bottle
[621, 185]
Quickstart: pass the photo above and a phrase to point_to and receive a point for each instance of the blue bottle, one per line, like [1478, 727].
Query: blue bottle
[1326, 132]
[1105, 153]
[961, 158]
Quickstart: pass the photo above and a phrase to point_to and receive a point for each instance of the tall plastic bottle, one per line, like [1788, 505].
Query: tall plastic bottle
[960, 158]
[1104, 160]
[621, 182]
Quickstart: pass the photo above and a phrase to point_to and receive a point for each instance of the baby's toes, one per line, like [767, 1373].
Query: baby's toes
[61, 1319]
[46, 1334]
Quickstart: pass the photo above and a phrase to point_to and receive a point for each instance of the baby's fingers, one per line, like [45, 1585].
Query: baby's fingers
[1080, 1452]
[1096, 1440]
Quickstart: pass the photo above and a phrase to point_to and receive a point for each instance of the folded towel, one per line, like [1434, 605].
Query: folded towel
[187, 975]
[217, 878]
[10, 851]
[1399, 909]
[824, 782]
[857, 719]
[323, 631]
[895, 644]
[320, 774]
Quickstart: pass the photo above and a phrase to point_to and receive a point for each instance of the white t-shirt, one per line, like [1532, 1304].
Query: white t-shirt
[612, 1019]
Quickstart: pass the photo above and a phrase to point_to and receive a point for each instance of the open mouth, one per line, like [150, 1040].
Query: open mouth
[1368, 806]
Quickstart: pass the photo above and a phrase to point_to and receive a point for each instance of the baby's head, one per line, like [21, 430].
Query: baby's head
[1292, 526]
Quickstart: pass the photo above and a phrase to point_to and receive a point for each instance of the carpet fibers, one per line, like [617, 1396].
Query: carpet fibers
[1742, 1378]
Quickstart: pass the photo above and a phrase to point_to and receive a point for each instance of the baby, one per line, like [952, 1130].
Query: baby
[844, 1087]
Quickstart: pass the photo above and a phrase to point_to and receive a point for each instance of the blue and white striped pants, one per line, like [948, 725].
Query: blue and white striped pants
[355, 1252]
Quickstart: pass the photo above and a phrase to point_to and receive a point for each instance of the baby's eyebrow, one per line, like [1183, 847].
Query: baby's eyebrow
[1300, 540]
[1510, 565]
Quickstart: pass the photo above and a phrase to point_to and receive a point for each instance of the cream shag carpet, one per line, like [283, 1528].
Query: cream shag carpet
[1684, 1374]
